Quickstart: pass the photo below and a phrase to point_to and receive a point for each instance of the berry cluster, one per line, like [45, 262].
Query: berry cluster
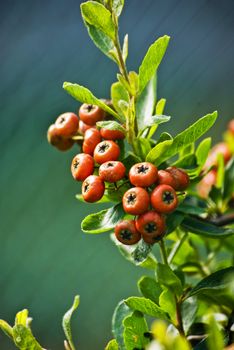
[153, 196]
[151, 193]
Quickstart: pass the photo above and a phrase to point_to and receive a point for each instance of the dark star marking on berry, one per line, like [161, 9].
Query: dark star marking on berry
[61, 120]
[103, 148]
[76, 164]
[168, 197]
[86, 187]
[131, 198]
[89, 108]
[126, 235]
[151, 227]
[142, 169]
[109, 165]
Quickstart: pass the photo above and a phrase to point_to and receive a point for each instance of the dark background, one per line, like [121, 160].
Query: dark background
[44, 258]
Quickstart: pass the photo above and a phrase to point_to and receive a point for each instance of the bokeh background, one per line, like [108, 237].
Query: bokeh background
[44, 258]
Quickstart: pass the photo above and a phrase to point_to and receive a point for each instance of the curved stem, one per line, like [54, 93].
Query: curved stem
[177, 247]
[123, 68]
[163, 252]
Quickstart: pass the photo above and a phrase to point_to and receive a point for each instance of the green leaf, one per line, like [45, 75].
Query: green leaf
[202, 152]
[187, 208]
[145, 104]
[220, 172]
[215, 340]
[167, 302]
[204, 228]
[101, 40]
[229, 181]
[66, 323]
[146, 306]
[98, 16]
[111, 125]
[152, 60]
[142, 146]
[188, 310]
[21, 317]
[138, 255]
[168, 278]
[119, 93]
[117, 6]
[186, 137]
[173, 220]
[120, 313]
[112, 345]
[84, 95]
[125, 48]
[187, 162]
[24, 339]
[158, 151]
[135, 327]
[150, 288]
[160, 106]
[218, 280]
[133, 82]
[103, 221]
[6, 328]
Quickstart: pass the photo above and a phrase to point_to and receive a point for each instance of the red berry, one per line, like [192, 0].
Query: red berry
[151, 225]
[126, 232]
[220, 148]
[90, 114]
[83, 127]
[143, 174]
[112, 171]
[181, 178]
[93, 189]
[57, 141]
[164, 199]
[112, 134]
[106, 151]
[206, 183]
[91, 138]
[136, 201]
[231, 126]
[82, 166]
[67, 124]
[165, 178]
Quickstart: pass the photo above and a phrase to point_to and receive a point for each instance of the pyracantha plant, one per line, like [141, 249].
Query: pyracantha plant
[166, 192]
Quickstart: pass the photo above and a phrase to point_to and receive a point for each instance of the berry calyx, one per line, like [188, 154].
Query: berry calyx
[91, 138]
[82, 166]
[90, 114]
[93, 189]
[126, 232]
[164, 199]
[136, 201]
[67, 124]
[112, 171]
[181, 178]
[143, 174]
[151, 225]
[106, 151]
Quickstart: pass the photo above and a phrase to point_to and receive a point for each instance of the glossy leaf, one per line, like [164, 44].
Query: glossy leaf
[98, 16]
[135, 327]
[143, 146]
[167, 302]
[138, 255]
[146, 306]
[84, 95]
[188, 310]
[112, 345]
[150, 288]
[119, 93]
[152, 60]
[24, 339]
[103, 221]
[218, 280]
[158, 151]
[204, 228]
[186, 137]
[202, 152]
[145, 104]
[111, 125]
[173, 220]
[101, 40]
[187, 208]
[66, 323]
[125, 47]
[168, 278]
[120, 313]
[187, 162]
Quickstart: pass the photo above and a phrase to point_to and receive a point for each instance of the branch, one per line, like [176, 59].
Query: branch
[223, 220]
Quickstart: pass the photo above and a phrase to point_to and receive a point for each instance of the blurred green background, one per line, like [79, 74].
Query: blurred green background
[45, 259]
